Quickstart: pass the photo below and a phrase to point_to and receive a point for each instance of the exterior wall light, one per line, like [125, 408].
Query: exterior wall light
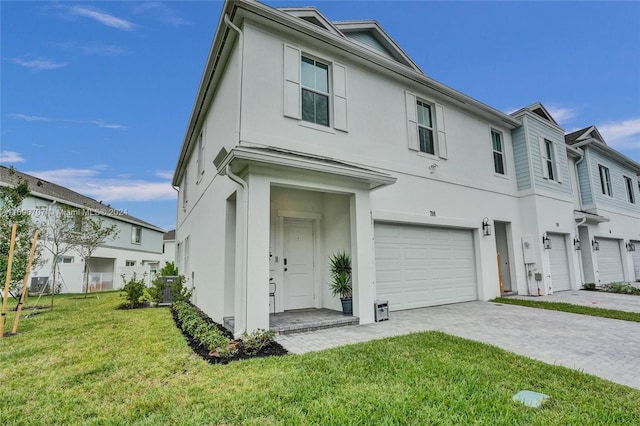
[546, 241]
[630, 246]
[595, 245]
[486, 227]
[576, 244]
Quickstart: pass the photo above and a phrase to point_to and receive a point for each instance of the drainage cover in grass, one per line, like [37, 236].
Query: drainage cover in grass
[530, 398]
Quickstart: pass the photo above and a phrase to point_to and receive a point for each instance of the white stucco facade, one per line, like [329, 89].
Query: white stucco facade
[267, 194]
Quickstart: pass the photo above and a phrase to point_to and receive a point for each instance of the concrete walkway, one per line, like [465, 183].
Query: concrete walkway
[596, 299]
[600, 346]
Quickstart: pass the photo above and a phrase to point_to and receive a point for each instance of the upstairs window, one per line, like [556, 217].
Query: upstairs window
[315, 91]
[136, 235]
[549, 160]
[425, 127]
[498, 152]
[628, 183]
[605, 180]
[200, 156]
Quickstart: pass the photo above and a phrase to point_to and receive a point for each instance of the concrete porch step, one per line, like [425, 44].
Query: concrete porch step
[298, 321]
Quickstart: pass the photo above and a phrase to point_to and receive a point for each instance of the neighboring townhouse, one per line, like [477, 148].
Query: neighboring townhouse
[546, 204]
[137, 248]
[308, 137]
[607, 208]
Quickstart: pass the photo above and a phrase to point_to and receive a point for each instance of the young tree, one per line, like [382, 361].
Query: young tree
[11, 212]
[88, 235]
[58, 237]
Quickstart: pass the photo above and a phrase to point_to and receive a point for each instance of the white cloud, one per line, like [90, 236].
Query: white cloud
[103, 18]
[90, 182]
[93, 48]
[622, 135]
[39, 64]
[165, 174]
[162, 13]
[560, 114]
[99, 123]
[10, 157]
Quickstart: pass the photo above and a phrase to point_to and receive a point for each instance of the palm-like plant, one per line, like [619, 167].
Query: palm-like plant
[340, 268]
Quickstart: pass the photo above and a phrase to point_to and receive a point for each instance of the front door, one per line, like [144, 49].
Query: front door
[502, 246]
[298, 264]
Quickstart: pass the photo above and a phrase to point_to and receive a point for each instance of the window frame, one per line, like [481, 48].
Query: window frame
[420, 102]
[129, 263]
[550, 160]
[628, 184]
[136, 234]
[185, 185]
[605, 181]
[501, 153]
[200, 156]
[328, 95]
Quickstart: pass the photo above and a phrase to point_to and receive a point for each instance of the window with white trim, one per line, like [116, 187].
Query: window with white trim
[425, 126]
[315, 89]
[605, 180]
[631, 196]
[185, 184]
[136, 235]
[498, 152]
[549, 163]
[65, 259]
[201, 160]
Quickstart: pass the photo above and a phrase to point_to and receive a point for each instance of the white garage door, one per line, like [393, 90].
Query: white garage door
[609, 261]
[560, 278]
[418, 266]
[636, 259]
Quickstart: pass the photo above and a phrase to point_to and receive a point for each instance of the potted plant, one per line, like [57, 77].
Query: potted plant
[340, 268]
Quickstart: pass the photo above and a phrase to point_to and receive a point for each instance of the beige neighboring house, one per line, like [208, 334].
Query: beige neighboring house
[137, 248]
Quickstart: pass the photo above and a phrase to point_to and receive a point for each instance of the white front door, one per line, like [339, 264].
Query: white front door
[298, 264]
[559, 263]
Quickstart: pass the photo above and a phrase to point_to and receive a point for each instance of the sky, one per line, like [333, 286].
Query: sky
[96, 96]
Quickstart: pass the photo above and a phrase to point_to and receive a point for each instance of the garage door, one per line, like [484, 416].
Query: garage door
[636, 259]
[609, 261]
[560, 278]
[418, 266]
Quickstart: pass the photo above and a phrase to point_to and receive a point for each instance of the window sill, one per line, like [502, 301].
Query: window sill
[319, 127]
[429, 156]
[502, 176]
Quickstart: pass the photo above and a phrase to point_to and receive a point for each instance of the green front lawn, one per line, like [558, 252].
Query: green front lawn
[574, 309]
[88, 363]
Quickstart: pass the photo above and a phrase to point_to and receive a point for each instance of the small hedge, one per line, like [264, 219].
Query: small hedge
[202, 330]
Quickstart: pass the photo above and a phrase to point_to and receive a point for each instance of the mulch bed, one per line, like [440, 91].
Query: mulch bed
[271, 349]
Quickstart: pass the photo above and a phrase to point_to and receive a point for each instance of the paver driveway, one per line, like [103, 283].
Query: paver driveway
[603, 347]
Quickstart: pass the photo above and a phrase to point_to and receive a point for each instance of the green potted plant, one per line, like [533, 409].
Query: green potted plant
[340, 268]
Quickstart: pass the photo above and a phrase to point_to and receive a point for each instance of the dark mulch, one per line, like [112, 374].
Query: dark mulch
[271, 349]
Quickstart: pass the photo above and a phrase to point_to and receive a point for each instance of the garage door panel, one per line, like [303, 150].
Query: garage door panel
[636, 259]
[559, 263]
[609, 261]
[433, 265]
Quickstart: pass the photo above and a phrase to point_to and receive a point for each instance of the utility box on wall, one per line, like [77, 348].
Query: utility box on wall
[381, 310]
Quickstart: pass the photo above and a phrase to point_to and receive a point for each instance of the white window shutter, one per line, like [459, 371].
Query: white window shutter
[556, 164]
[292, 81]
[543, 157]
[412, 121]
[442, 135]
[339, 96]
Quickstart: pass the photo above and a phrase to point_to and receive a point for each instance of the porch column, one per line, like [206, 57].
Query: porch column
[364, 292]
[258, 220]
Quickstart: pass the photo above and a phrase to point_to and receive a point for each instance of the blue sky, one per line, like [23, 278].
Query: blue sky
[96, 96]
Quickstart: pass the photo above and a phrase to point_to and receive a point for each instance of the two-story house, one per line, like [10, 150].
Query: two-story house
[607, 208]
[308, 137]
[137, 247]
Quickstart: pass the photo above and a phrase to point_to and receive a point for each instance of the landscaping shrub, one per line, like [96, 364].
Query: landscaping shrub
[201, 330]
[134, 290]
[623, 288]
[589, 286]
[257, 340]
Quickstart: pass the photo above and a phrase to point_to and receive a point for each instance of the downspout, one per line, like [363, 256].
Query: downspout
[578, 179]
[245, 189]
[243, 238]
[241, 44]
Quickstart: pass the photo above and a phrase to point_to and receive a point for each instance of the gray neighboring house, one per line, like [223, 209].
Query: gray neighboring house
[137, 248]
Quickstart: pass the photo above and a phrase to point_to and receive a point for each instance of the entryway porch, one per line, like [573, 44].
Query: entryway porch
[300, 320]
